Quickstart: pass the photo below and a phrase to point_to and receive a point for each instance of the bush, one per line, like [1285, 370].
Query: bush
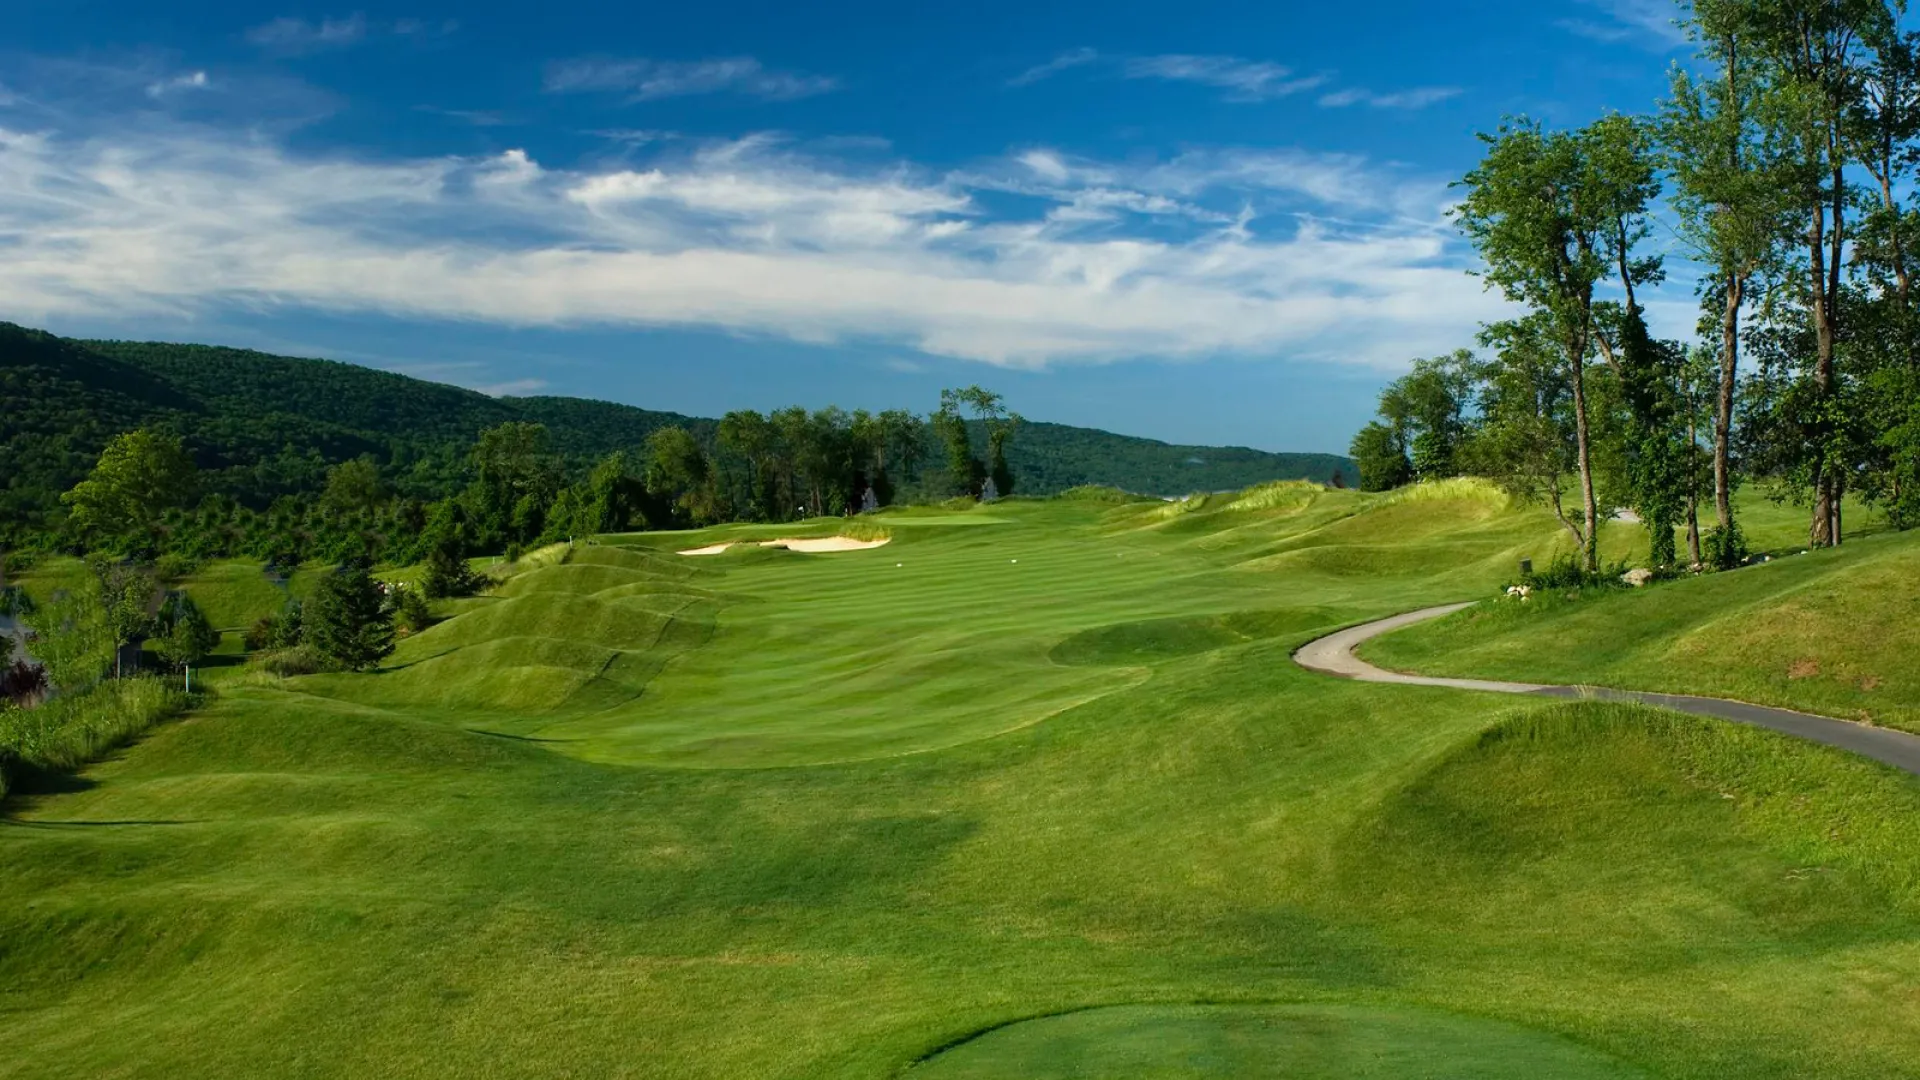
[23, 684]
[1565, 572]
[1725, 549]
[298, 660]
[448, 575]
[408, 608]
[74, 729]
[173, 566]
[274, 632]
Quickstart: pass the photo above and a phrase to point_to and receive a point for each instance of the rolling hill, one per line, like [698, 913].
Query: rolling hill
[262, 426]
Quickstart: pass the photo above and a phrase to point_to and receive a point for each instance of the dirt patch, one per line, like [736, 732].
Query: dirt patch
[1803, 669]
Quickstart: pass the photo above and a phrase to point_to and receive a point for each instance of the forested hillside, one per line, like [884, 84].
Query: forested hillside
[261, 426]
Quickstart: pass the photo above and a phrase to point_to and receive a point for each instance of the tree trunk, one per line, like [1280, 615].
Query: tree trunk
[1723, 412]
[1826, 299]
[1589, 544]
[1687, 393]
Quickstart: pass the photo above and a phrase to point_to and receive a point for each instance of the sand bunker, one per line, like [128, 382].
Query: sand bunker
[815, 546]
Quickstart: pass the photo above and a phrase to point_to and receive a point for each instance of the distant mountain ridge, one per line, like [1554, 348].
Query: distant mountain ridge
[262, 426]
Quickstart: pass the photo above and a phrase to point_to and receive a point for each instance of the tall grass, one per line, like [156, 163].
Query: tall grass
[74, 729]
[1457, 487]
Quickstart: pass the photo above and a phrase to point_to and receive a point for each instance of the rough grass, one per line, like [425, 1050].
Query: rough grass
[923, 798]
[73, 730]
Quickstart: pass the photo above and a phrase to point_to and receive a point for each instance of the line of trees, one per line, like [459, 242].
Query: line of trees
[141, 500]
[1786, 163]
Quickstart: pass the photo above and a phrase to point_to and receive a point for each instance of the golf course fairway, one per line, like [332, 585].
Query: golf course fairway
[1033, 790]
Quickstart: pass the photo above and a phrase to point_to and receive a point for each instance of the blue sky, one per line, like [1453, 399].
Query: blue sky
[1202, 222]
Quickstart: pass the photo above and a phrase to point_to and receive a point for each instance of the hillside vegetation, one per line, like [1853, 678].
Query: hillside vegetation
[262, 426]
[1033, 790]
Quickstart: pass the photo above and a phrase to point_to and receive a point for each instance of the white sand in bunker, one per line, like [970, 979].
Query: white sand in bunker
[815, 546]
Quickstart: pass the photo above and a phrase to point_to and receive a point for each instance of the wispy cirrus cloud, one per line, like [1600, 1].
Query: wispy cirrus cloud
[1228, 251]
[1417, 98]
[1652, 23]
[1243, 80]
[647, 80]
[293, 36]
[1066, 61]
[192, 80]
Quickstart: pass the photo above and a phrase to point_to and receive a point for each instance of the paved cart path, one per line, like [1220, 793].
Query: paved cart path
[1333, 655]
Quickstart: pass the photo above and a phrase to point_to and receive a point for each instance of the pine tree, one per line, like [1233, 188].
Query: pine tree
[348, 622]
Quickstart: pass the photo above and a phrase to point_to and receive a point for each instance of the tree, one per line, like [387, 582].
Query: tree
[512, 461]
[348, 622]
[1382, 457]
[679, 475]
[903, 446]
[1525, 441]
[186, 637]
[612, 496]
[968, 474]
[1426, 412]
[129, 596]
[353, 487]
[139, 475]
[1657, 455]
[1816, 59]
[751, 439]
[1545, 209]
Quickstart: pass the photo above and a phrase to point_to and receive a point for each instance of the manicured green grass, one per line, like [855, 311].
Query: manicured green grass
[1833, 632]
[1295, 1042]
[836, 815]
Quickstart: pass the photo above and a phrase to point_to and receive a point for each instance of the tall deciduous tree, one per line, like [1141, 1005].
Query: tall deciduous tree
[512, 462]
[1545, 211]
[1525, 440]
[139, 476]
[1816, 55]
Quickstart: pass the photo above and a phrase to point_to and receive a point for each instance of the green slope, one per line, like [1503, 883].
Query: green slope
[263, 426]
[1213, 864]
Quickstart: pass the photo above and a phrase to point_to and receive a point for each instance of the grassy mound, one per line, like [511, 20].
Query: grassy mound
[1295, 1042]
[1834, 632]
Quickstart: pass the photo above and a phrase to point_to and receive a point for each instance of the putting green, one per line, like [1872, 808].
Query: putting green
[1294, 1042]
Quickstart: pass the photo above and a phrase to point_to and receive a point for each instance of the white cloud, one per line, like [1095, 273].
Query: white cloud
[192, 80]
[1244, 80]
[1232, 251]
[291, 35]
[1652, 22]
[1418, 98]
[647, 80]
[1068, 60]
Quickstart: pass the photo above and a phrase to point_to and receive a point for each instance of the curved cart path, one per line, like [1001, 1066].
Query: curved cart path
[1333, 655]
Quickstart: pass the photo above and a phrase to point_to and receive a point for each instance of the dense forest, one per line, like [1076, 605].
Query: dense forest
[1783, 166]
[266, 438]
